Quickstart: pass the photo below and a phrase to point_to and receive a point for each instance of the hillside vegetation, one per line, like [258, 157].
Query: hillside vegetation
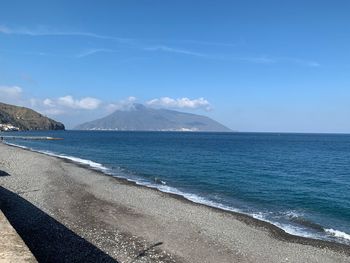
[27, 119]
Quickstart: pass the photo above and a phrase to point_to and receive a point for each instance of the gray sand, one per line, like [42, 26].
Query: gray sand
[68, 213]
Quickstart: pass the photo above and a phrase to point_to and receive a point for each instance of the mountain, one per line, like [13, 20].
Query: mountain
[26, 119]
[142, 118]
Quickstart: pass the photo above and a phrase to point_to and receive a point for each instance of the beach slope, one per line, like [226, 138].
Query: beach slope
[65, 212]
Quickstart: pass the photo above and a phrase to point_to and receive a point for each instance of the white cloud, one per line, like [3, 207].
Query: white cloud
[67, 101]
[86, 103]
[64, 108]
[53, 111]
[65, 105]
[127, 104]
[10, 91]
[34, 102]
[180, 103]
[49, 102]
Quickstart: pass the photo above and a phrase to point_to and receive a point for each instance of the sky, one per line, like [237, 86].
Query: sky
[255, 66]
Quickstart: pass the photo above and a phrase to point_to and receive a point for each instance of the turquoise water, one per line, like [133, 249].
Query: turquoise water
[299, 182]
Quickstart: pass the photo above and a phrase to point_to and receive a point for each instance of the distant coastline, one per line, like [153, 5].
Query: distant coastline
[139, 117]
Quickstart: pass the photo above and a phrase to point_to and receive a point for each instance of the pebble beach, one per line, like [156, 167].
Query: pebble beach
[66, 212]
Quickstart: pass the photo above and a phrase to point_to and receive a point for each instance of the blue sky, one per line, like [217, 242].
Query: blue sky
[252, 65]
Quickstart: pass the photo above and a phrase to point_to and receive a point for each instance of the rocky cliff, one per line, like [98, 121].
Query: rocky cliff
[26, 119]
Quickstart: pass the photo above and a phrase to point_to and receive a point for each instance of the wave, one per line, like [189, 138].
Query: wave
[300, 228]
[195, 198]
[286, 227]
[338, 234]
[158, 181]
[307, 223]
[17, 145]
[92, 164]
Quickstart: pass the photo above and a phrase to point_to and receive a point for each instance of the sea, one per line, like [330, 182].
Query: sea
[298, 182]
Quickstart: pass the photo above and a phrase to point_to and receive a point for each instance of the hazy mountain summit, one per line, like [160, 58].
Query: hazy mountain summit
[21, 118]
[141, 118]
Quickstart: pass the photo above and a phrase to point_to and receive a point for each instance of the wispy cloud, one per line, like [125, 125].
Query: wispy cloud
[207, 43]
[197, 42]
[274, 60]
[5, 30]
[175, 50]
[256, 60]
[302, 62]
[45, 31]
[145, 45]
[89, 52]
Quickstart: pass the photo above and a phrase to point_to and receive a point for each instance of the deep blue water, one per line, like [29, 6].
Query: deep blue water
[299, 182]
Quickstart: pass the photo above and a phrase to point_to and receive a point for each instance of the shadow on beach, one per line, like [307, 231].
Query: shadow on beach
[3, 173]
[49, 240]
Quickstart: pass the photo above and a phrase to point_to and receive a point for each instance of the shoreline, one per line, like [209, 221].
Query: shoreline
[275, 232]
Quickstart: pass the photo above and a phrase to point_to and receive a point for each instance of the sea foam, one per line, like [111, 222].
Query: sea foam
[86, 162]
[338, 233]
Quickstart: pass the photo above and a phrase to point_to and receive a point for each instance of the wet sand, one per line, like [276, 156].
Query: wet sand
[68, 213]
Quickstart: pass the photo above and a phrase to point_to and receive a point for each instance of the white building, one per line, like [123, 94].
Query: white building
[8, 127]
